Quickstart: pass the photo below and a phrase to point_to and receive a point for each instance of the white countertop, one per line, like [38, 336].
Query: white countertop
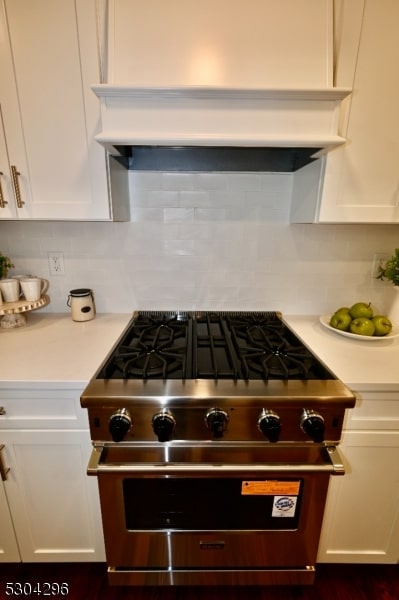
[52, 349]
[363, 365]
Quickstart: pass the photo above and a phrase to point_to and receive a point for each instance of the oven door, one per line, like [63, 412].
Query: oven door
[203, 514]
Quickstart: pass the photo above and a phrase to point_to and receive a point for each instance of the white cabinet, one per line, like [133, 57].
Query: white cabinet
[51, 166]
[8, 542]
[54, 505]
[7, 199]
[361, 523]
[262, 44]
[361, 182]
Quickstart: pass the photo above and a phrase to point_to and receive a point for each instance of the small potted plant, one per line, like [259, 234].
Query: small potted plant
[390, 269]
[5, 264]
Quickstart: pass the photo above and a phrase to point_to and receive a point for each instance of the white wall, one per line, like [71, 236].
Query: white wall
[206, 241]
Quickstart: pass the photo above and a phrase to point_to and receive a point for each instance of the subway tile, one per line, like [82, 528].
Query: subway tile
[146, 214]
[210, 214]
[178, 247]
[211, 241]
[154, 199]
[177, 181]
[244, 182]
[210, 181]
[194, 198]
[144, 180]
[178, 214]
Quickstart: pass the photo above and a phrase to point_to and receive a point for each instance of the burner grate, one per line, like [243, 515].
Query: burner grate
[264, 348]
[211, 345]
[213, 354]
[156, 347]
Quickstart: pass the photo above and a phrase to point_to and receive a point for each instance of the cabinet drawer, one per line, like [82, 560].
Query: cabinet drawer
[42, 409]
[374, 410]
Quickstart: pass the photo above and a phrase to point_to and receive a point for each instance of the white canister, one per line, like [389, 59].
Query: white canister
[82, 306]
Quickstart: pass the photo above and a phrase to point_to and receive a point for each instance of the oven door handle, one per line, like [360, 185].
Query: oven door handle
[334, 466]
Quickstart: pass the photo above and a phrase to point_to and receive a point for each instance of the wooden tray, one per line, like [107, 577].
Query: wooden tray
[11, 308]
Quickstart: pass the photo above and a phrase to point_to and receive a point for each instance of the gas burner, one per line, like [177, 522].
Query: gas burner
[275, 363]
[148, 363]
[155, 347]
[264, 348]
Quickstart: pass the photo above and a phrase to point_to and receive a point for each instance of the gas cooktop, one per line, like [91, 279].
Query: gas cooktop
[211, 345]
[168, 372]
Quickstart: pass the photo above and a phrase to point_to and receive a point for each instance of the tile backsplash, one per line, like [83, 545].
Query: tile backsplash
[206, 241]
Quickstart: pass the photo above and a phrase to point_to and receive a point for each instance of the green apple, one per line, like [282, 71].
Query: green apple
[345, 309]
[362, 326]
[361, 309]
[341, 320]
[382, 325]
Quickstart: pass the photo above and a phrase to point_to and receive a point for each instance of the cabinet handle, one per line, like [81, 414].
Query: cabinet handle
[3, 202]
[3, 468]
[15, 174]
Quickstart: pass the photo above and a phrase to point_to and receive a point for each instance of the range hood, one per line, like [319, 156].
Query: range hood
[278, 129]
[217, 85]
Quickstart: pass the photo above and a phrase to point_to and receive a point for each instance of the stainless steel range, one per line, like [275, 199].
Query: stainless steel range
[214, 438]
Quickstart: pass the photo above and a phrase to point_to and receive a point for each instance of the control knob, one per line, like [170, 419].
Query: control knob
[216, 420]
[312, 423]
[269, 424]
[119, 424]
[163, 424]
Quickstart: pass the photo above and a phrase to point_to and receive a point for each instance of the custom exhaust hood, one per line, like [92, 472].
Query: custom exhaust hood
[218, 128]
[187, 91]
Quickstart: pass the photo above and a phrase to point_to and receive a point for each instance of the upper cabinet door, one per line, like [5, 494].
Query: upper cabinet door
[48, 59]
[362, 177]
[258, 43]
[8, 207]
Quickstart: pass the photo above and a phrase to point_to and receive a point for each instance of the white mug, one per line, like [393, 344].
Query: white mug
[24, 276]
[10, 289]
[33, 287]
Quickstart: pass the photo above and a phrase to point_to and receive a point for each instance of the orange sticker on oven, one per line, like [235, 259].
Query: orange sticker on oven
[270, 488]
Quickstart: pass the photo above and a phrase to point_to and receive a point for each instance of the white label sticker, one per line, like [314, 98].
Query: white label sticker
[284, 506]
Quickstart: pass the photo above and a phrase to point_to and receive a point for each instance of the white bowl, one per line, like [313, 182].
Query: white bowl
[325, 321]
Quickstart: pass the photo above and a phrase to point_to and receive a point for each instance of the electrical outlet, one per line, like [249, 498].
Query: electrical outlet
[56, 263]
[378, 259]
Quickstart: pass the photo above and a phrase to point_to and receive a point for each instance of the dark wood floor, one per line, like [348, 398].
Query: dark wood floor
[89, 582]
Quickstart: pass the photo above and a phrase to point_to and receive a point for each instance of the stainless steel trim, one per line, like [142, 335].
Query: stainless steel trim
[271, 576]
[97, 465]
[94, 460]
[336, 460]
[3, 469]
[206, 393]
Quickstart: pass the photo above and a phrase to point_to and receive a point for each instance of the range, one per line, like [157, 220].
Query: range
[214, 437]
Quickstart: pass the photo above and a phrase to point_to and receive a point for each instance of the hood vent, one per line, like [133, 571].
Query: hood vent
[210, 85]
[198, 128]
[214, 159]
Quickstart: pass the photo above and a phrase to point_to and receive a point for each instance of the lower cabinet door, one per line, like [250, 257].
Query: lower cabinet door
[54, 505]
[8, 542]
[361, 523]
